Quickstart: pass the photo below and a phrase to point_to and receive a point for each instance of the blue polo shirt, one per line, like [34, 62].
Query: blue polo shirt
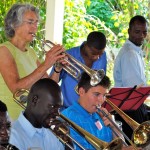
[68, 83]
[81, 117]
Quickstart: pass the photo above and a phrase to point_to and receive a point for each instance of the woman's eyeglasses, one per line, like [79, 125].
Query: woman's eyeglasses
[31, 22]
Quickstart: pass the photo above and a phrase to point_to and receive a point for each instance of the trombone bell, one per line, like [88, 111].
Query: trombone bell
[141, 132]
[141, 135]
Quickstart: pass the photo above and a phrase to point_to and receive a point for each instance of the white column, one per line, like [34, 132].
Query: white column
[54, 20]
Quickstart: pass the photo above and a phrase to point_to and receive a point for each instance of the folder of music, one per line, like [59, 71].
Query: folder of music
[127, 98]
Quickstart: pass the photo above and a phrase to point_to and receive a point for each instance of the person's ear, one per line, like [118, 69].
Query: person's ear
[81, 91]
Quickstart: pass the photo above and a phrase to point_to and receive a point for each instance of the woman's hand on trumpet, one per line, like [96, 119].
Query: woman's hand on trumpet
[58, 66]
[60, 63]
[54, 55]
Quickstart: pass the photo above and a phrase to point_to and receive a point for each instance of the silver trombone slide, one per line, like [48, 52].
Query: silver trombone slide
[125, 136]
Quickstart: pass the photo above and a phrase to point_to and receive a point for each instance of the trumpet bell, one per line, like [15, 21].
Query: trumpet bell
[74, 65]
[141, 135]
[96, 77]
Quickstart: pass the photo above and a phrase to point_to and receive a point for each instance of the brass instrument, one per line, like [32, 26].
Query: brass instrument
[20, 97]
[96, 76]
[98, 144]
[141, 132]
[115, 125]
[116, 144]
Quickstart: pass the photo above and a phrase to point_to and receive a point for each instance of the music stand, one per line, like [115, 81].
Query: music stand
[127, 98]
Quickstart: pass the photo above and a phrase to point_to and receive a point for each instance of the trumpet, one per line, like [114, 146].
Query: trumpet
[141, 132]
[96, 76]
[116, 144]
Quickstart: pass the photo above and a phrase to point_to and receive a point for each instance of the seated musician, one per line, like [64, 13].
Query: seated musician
[83, 112]
[31, 129]
[5, 125]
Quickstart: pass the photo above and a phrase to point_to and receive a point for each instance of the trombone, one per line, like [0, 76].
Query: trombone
[98, 144]
[141, 132]
[96, 76]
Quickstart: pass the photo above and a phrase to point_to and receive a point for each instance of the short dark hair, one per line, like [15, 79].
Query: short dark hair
[97, 40]
[42, 86]
[3, 107]
[85, 82]
[137, 18]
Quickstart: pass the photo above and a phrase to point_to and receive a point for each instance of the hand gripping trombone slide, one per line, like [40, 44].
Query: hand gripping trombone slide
[98, 144]
[114, 124]
[72, 69]
[141, 132]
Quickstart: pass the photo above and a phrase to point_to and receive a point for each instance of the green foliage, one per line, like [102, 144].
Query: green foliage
[5, 6]
[77, 24]
[109, 16]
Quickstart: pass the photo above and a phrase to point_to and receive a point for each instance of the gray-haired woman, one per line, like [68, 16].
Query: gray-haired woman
[19, 65]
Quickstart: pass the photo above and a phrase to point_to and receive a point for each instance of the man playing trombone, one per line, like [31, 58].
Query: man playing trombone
[32, 128]
[84, 112]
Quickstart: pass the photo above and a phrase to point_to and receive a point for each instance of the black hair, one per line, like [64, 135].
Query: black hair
[97, 40]
[3, 107]
[85, 82]
[139, 18]
[42, 87]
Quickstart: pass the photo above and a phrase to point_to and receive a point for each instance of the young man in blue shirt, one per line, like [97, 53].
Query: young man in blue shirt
[84, 112]
[92, 54]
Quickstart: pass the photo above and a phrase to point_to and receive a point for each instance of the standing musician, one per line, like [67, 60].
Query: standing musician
[84, 112]
[32, 128]
[129, 67]
[19, 65]
[92, 54]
